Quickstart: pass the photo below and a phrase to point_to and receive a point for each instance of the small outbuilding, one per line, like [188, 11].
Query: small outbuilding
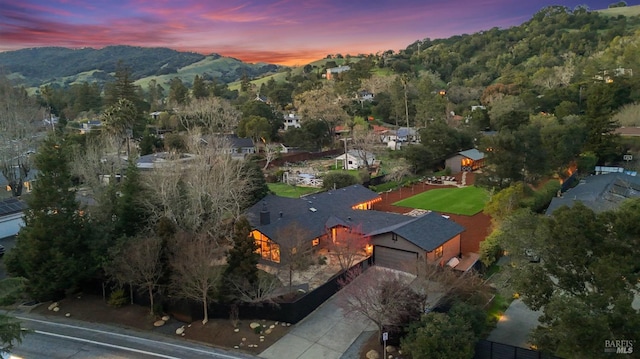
[465, 161]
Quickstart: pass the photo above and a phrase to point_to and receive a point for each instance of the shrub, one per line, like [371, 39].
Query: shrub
[118, 298]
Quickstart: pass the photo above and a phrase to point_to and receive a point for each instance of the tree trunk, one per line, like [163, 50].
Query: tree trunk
[206, 310]
[131, 292]
[151, 298]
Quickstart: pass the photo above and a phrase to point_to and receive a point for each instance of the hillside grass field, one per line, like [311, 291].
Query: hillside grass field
[624, 10]
[285, 190]
[466, 201]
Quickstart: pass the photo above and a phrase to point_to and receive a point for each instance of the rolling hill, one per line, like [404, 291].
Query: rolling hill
[63, 66]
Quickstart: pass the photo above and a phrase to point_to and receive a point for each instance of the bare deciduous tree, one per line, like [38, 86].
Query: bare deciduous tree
[384, 296]
[364, 143]
[271, 152]
[213, 115]
[19, 120]
[444, 285]
[138, 264]
[348, 247]
[260, 292]
[196, 262]
[198, 190]
[295, 249]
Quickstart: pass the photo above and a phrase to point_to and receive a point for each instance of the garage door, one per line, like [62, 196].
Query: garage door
[395, 258]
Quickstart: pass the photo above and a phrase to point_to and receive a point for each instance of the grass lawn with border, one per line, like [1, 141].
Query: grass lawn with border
[286, 190]
[466, 200]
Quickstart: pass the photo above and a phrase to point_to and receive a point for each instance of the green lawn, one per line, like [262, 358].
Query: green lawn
[466, 201]
[285, 190]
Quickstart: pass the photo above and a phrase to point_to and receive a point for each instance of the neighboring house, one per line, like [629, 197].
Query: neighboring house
[292, 121]
[11, 213]
[324, 216]
[355, 159]
[157, 160]
[465, 161]
[332, 72]
[364, 95]
[600, 192]
[241, 147]
[27, 184]
[407, 134]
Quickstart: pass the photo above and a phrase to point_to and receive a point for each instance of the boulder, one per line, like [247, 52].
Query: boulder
[165, 318]
[236, 330]
[56, 309]
[268, 331]
[254, 325]
[180, 330]
[53, 305]
[391, 349]
[272, 326]
[67, 315]
[372, 354]
[158, 323]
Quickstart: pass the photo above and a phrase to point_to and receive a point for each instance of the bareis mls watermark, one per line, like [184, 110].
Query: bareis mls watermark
[618, 346]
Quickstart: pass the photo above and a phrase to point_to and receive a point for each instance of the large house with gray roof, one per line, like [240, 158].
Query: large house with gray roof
[600, 192]
[11, 216]
[395, 240]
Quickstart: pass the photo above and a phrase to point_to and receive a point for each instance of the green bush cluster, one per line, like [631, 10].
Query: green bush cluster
[118, 298]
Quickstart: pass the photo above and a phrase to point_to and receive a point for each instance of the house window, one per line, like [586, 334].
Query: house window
[315, 242]
[267, 249]
[394, 237]
[438, 252]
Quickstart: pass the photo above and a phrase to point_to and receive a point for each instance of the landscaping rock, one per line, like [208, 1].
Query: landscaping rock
[53, 305]
[272, 326]
[236, 347]
[244, 339]
[67, 315]
[254, 325]
[158, 323]
[236, 330]
[288, 324]
[372, 354]
[166, 318]
[284, 324]
[56, 309]
[180, 330]
[261, 339]
[268, 331]
[391, 349]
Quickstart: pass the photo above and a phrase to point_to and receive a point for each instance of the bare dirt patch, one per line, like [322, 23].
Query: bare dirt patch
[217, 332]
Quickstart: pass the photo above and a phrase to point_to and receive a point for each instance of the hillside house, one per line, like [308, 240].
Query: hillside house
[335, 71]
[292, 121]
[355, 159]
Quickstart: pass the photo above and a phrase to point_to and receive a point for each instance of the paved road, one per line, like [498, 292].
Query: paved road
[78, 340]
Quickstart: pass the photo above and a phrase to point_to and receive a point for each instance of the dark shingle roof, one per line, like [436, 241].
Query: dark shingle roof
[428, 231]
[600, 193]
[240, 142]
[11, 205]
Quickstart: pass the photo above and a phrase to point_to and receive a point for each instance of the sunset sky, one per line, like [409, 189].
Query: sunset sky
[288, 32]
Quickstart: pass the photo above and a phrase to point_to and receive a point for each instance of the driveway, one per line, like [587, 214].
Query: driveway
[516, 324]
[325, 333]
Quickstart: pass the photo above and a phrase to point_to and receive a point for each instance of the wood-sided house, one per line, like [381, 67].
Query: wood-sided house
[393, 238]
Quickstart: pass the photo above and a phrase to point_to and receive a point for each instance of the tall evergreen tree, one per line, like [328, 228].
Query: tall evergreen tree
[130, 215]
[199, 90]
[242, 262]
[53, 248]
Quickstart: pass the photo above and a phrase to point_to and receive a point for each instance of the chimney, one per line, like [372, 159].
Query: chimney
[265, 215]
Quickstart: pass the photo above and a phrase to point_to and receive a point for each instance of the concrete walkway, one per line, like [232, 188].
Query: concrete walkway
[516, 324]
[325, 333]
